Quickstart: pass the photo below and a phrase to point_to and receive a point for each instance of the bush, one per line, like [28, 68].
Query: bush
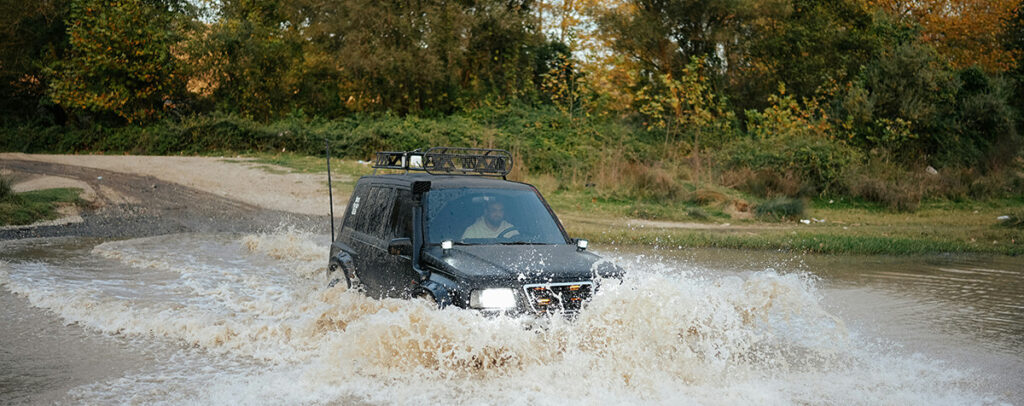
[902, 189]
[6, 191]
[544, 139]
[697, 213]
[896, 194]
[634, 180]
[987, 134]
[782, 208]
[891, 185]
[767, 182]
[817, 165]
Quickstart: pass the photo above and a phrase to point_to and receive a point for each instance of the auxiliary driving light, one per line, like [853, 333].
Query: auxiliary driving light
[492, 299]
[416, 161]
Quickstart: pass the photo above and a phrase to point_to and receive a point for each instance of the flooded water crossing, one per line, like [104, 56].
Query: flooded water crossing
[246, 318]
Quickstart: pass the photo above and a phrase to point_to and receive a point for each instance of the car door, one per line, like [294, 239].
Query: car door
[343, 246]
[368, 238]
[397, 276]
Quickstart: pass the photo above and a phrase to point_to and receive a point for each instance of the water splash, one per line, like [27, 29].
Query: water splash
[669, 333]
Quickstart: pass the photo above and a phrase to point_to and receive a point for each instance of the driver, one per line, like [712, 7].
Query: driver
[492, 224]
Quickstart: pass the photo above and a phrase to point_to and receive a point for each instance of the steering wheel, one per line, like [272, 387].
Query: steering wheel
[504, 234]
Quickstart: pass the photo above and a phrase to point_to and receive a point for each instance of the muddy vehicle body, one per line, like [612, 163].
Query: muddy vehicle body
[452, 230]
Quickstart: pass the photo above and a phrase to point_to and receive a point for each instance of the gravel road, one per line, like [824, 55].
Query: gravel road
[126, 205]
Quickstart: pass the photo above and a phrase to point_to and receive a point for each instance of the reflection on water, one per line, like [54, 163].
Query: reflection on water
[981, 300]
[246, 319]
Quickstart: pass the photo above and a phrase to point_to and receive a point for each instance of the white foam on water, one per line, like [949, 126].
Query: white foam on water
[669, 334]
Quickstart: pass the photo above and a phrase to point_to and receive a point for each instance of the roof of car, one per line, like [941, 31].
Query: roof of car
[444, 181]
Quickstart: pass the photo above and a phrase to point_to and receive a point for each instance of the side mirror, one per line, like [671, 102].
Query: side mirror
[400, 246]
[581, 244]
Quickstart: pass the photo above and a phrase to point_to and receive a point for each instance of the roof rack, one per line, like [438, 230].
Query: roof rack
[448, 161]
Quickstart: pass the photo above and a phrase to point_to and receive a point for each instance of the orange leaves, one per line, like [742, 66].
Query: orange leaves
[967, 32]
[689, 101]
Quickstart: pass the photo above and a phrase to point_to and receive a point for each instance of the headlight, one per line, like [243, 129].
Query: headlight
[492, 299]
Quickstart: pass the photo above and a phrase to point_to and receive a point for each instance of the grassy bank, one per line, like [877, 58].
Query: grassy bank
[902, 236]
[834, 228]
[39, 205]
[711, 218]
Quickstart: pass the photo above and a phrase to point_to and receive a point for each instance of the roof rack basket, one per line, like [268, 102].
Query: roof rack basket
[448, 161]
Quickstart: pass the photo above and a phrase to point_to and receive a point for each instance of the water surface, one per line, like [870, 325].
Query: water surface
[228, 318]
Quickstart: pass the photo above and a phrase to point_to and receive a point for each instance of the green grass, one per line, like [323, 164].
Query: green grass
[30, 207]
[937, 227]
[810, 242]
[298, 163]
[780, 209]
[588, 201]
[851, 226]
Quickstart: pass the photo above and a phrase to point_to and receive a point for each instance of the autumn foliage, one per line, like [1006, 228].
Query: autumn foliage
[793, 93]
[967, 32]
[119, 60]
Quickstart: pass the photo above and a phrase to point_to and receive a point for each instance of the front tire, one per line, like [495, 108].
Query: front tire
[351, 279]
[426, 297]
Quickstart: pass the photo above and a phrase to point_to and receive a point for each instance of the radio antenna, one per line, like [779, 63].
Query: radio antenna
[330, 192]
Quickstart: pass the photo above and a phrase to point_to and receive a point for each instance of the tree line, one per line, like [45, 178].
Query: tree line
[914, 83]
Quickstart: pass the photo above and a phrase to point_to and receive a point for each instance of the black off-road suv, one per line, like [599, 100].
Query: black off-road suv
[451, 229]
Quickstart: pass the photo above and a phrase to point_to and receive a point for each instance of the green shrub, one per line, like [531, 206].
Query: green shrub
[697, 213]
[767, 182]
[6, 191]
[896, 194]
[782, 208]
[816, 164]
[29, 207]
[895, 187]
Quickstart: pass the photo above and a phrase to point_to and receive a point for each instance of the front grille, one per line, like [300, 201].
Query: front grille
[567, 297]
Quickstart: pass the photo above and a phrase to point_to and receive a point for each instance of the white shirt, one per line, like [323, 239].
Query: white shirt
[480, 229]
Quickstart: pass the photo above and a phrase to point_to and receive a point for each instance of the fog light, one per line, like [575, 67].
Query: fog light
[416, 161]
[492, 299]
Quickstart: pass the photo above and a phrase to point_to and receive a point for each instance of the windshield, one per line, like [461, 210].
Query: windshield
[490, 216]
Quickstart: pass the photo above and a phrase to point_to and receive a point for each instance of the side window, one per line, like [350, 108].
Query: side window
[376, 210]
[354, 218]
[400, 223]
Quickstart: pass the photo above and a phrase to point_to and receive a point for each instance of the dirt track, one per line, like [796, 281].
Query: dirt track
[132, 205]
[152, 195]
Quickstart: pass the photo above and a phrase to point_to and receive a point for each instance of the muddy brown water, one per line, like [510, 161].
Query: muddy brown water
[229, 318]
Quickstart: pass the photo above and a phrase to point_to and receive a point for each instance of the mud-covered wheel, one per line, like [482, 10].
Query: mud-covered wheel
[351, 279]
[426, 297]
[333, 277]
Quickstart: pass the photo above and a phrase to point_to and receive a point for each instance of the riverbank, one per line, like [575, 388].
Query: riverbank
[826, 226]
[296, 184]
[145, 196]
[938, 227]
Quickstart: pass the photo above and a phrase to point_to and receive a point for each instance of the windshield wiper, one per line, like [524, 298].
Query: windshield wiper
[521, 243]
